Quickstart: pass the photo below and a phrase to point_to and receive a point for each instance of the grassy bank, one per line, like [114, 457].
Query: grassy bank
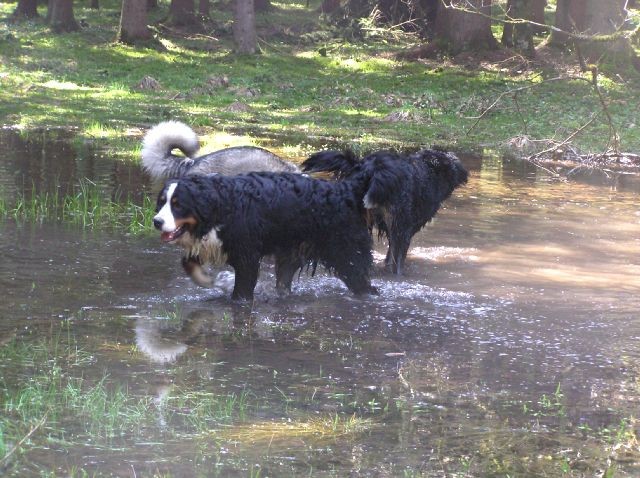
[308, 89]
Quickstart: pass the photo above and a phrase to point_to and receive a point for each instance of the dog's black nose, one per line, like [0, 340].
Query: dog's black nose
[157, 222]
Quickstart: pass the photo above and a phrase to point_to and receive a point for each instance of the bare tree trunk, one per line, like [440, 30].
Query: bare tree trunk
[458, 29]
[151, 4]
[601, 19]
[204, 8]
[25, 9]
[571, 18]
[244, 27]
[95, 4]
[261, 5]
[182, 13]
[519, 35]
[61, 17]
[133, 22]
[537, 14]
[329, 6]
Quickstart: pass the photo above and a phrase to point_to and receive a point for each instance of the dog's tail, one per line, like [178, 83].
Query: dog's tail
[376, 177]
[340, 163]
[160, 141]
[382, 177]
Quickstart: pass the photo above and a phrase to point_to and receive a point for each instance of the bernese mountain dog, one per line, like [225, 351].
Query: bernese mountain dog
[301, 221]
[428, 177]
[160, 162]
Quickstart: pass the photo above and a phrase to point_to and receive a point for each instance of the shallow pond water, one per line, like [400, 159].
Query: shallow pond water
[510, 347]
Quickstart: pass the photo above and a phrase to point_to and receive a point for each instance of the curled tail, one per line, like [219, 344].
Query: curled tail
[158, 143]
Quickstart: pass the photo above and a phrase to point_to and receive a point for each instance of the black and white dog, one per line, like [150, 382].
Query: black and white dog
[160, 162]
[301, 221]
[427, 178]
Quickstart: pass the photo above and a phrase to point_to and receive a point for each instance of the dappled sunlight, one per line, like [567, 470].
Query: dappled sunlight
[556, 266]
[63, 85]
[221, 139]
[315, 429]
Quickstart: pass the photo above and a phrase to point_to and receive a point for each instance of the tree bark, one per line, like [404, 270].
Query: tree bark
[262, 5]
[95, 4]
[600, 19]
[244, 27]
[457, 30]
[182, 13]
[537, 14]
[519, 35]
[26, 9]
[61, 17]
[133, 22]
[204, 8]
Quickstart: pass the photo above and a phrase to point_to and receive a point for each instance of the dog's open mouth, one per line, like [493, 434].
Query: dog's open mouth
[173, 235]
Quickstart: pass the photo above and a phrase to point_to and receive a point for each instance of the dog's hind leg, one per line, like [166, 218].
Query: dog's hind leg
[287, 264]
[398, 248]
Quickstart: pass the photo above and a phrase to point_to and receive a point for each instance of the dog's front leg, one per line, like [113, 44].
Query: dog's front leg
[246, 269]
[193, 267]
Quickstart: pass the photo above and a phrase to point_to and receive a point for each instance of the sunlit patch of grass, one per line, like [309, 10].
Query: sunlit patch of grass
[360, 75]
[323, 428]
[98, 130]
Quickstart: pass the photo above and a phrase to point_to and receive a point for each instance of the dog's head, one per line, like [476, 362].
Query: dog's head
[175, 211]
[447, 168]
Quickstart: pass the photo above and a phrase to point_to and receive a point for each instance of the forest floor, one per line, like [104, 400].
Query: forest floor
[313, 86]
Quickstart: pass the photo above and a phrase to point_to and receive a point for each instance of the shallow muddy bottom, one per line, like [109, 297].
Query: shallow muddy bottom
[511, 345]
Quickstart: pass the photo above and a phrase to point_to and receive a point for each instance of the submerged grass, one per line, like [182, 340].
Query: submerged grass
[86, 207]
[323, 428]
[52, 395]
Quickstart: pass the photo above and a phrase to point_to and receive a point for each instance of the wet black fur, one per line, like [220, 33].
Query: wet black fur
[299, 220]
[426, 179]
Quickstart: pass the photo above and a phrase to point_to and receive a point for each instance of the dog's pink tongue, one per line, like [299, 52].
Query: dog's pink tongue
[167, 236]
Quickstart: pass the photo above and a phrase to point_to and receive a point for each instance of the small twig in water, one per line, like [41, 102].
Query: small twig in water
[5, 458]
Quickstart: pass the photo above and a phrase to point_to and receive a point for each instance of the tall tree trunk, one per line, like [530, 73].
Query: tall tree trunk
[519, 35]
[95, 4]
[182, 13]
[61, 17]
[204, 8]
[25, 9]
[262, 5]
[537, 15]
[458, 30]
[151, 4]
[597, 18]
[133, 22]
[244, 27]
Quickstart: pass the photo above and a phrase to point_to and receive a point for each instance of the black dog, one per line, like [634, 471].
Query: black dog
[300, 220]
[427, 178]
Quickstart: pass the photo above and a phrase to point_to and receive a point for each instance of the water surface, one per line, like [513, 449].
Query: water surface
[510, 347]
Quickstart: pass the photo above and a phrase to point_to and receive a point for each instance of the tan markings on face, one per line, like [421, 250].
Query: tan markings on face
[190, 220]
